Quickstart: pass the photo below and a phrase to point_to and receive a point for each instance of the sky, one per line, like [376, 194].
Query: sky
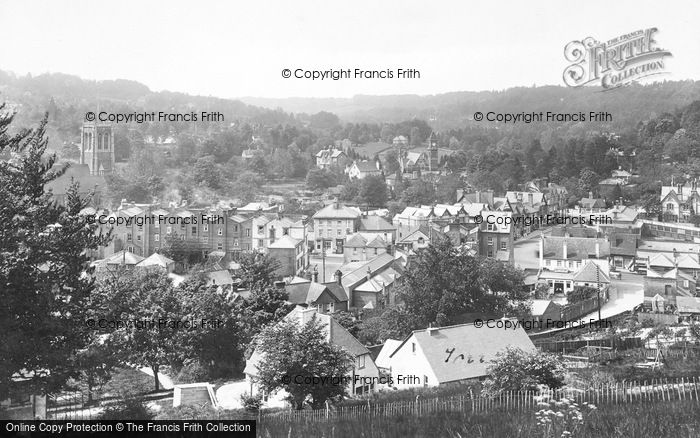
[239, 48]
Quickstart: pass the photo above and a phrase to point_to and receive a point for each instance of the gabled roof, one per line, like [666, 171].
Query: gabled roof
[480, 345]
[125, 257]
[661, 260]
[421, 232]
[591, 273]
[358, 275]
[592, 203]
[156, 259]
[366, 166]
[390, 345]
[539, 307]
[219, 278]
[687, 304]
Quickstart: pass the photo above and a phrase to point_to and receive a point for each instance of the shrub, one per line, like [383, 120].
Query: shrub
[581, 293]
[128, 408]
[251, 402]
[517, 370]
[186, 412]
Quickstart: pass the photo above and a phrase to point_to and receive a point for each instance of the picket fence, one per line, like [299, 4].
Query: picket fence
[657, 390]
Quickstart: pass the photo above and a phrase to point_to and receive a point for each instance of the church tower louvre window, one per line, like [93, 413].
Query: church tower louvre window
[97, 147]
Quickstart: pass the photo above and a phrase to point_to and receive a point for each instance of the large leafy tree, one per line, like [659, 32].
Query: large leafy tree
[150, 316]
[444, 283]
[257, 269]
[43, 254]
[294, 354]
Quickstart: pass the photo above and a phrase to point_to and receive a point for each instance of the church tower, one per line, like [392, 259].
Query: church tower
[433, 161]
[97, 147]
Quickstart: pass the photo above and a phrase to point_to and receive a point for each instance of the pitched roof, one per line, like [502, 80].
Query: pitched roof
[374, 265]
[375, 223]
[125, 257]
[592, 203]
[81, 174]
[336, 211]
[688, 304]
[366, 166]
[307, 293]
[285, 242]
[390, 345]
[469, 342]
[577, 248]
[156, 259]
[219, 278]
[591, 273]
[336, 333]
[538, 307]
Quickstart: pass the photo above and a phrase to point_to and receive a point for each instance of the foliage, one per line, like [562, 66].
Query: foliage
[43, 249]
[257, 270]
[251, 402]
[445, 282]
[516, 370]
[373, 191]
[581, 293]
[128, 408]
[561, 418]
[294, 354]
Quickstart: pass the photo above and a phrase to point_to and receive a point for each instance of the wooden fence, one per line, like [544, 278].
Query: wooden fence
[685, 389]
[573, 345]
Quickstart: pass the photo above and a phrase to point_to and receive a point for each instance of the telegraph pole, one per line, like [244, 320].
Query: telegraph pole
[597, 276]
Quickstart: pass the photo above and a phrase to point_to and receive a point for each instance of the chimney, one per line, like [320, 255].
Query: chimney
[597, 249]
[590, 195]
[564, 250]
[541, 250]
[315, 277]
[369, 274]
[338, 276]
[432, 331]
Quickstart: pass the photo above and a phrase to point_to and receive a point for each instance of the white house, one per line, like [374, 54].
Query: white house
[448, 355]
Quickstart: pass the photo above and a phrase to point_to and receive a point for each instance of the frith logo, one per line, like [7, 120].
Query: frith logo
[614, 63]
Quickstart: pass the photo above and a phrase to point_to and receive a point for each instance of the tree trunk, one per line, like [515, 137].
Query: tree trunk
[155, 376]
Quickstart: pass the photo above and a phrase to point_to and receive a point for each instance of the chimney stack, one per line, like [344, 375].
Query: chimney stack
[564, 250]
[338, 276]
[541, 250]
[597, 249]
[369, 274]
[432, 330]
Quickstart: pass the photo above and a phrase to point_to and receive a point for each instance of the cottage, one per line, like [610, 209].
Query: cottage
[450, 355]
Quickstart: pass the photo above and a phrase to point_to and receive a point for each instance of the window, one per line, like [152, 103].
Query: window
[157, 224]
[138, 237]
[489, 253]
[235, 242]
[340, 232]
[220, 232]
[361, 361]
[261, 229]
[558, 263]
[669, 206]
[504, 246]
[354, 250]
[156, 237]
[169, 230]
[261, 243]
[205, 237]
[128, 237]
[489, 240]
[140, 227]
[194, 231]
[206, 227]
[235, 228]
[490, 227]
[375, 251]
[247, 232]
[548, 262]
[219, 245]
[413, 347]
[340, 224]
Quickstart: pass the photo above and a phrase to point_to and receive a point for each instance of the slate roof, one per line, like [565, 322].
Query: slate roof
[577, 248]
[482, 344]
[125, 257]
[285, 242]
[375, 223]
[81, 174]
[388, 348]
[156, 259]
[687, 304]
[591, 273]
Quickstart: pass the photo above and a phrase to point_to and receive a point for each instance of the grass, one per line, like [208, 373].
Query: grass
[668, 419]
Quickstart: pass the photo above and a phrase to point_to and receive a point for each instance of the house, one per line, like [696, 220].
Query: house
[591, 205]
[88, 183]
[368, 283]
[290, 254]
[363, 169]
[363, 247]
[325, 297]
[364, 369]
[666, 287]
[564, 260]
[383, 358]
[418, 239]
[496, 236]
[533, 203]
[680, 201]
[399, 141]
[117, 261]
[378, 225]
[332, 224]
[543, 310]
[450, 355]
[331, 157]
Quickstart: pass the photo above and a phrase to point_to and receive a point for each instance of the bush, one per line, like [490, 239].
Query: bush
[187, 412]
[128, 408]
[517, 370]
[581, 293]
[192, 372]
[251, 402]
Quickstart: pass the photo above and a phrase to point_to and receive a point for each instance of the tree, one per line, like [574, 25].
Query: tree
[152, 315]
[373, 191]
[293, 355]
[217, 344]
[43, 256]
[265, 305]
[517, 370]
[319, 179]
[445, 283]
[207, 173]
[257, 270]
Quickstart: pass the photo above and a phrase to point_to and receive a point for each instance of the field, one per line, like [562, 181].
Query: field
[679, 419]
